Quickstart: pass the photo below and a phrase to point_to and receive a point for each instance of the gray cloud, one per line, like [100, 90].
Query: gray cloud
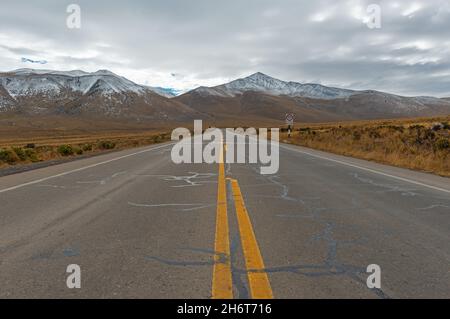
[206, 42]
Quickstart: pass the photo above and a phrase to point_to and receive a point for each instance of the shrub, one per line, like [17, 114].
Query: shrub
[106, 145]
[20, 153]
[31, 155]
[30, 145]
[356, 135]
[8, 156]
[44, 148]
[429, 135]
[416, 127]
[65, 150]
[442, 144]
[86, 147]
[156, 139]
[78, 151]
[374, 134]
[395, 128]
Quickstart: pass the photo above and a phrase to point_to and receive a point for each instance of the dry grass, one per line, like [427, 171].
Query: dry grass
[25, 150]
[411, 143]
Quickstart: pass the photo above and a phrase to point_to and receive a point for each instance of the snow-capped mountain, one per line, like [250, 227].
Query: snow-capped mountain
[265, 97]
[23, 82]
[262, 83]
[28, 82]
[259, 96]
[101, 93]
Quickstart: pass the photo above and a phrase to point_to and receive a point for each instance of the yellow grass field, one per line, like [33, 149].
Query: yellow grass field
[25, 150]
[410, 143]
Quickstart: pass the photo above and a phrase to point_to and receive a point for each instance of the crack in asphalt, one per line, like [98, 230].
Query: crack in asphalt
[193, 180]
[330, 266]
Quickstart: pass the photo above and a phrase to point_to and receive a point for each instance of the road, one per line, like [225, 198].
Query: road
[140, 226]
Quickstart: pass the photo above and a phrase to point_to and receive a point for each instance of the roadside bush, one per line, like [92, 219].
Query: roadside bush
[20, 153]
[106, 145]
[442, 144]
[44, 148]
[8, 156]
[356, 136]
[429, 135]
[156, 139]
[395, 128]
[65, 150]
[374, 134]
[31, 155]
[86, 147]
[78, 151]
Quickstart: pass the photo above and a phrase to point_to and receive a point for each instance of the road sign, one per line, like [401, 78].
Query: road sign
[290, 117]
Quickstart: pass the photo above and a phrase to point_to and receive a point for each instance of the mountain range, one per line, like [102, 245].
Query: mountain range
[78, 93]
[256, 98]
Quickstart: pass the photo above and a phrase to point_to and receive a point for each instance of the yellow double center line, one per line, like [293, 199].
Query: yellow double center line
[257, 277]
[222, 287]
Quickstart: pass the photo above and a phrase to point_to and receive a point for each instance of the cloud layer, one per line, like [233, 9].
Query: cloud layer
[184, 44]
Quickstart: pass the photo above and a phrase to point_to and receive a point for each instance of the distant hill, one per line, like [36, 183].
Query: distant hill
[264, 97]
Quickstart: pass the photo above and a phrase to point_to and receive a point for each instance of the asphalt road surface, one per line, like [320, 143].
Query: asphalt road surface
[140, 226]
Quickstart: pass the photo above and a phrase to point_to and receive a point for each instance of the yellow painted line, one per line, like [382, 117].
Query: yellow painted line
[258, 279]
[222, 285]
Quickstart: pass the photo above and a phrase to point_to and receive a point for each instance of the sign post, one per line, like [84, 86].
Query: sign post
[290, 118]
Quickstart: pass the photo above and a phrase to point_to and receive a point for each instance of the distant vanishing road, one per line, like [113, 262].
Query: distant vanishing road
[140, 226]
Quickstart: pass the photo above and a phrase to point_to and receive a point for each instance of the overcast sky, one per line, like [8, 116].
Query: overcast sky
[187, 43]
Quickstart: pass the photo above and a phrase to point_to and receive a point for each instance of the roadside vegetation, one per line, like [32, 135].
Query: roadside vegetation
[18, 152]
[420, 144]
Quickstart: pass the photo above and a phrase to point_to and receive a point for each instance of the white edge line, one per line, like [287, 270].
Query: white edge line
[81, 169]
[369, 170]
